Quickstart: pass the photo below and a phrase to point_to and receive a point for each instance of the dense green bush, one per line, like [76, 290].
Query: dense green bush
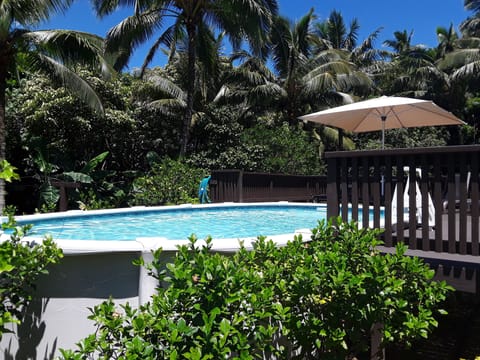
[307, 300]
[217, 142]
[168, 182]
[286, 149]
[21, 264]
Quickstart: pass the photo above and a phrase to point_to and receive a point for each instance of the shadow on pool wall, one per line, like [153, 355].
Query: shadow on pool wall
[57, 316]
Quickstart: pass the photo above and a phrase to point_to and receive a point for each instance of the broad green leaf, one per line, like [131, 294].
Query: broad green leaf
[78, 177]
[93, 163]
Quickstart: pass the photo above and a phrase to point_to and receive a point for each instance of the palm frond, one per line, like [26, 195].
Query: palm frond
[458, 58]
[268, 91]
[471, 26]
[333, 67]
[132, 32]
[107, 7]
[244, 76]
[281, 38]
[470, 70]
[168, 106]
[303, 32]
[73, 82]
[320, 83]
[167, 87]
[242, 20]
[368, 42]
[30, 13]
[170, 37]
[355, 80]
[71, 47]
[468, 42]
[255, 65]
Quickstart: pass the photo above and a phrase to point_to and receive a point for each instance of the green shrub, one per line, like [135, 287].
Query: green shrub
[168, 182]
[286, 149]
[338, 286]
[315, 299]
[21, 264]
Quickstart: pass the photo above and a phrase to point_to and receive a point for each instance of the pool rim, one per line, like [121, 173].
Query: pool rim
[146, 244]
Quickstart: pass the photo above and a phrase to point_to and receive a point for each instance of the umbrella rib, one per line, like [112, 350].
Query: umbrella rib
[397, 117]
[439, 112]
[363, 119]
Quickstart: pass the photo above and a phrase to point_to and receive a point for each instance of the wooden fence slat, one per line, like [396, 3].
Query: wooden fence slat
[474, 204]
[365, 192]
[438, 204]
[376, 187]
[424, 189]
[451, 169]
[388, 186]
[354, 192]
[412, 204]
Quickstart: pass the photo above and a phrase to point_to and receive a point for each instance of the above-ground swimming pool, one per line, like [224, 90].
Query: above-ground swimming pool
[145, 228]
[101, 247]
[179, 222]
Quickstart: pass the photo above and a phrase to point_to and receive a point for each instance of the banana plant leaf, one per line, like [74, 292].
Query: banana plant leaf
[93, 163]
[78, 177]
[49, 194]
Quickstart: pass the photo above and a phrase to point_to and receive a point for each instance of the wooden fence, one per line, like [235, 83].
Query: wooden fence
[240, 186]
[443, 217]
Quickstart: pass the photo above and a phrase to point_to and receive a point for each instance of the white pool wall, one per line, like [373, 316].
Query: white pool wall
[92, 272]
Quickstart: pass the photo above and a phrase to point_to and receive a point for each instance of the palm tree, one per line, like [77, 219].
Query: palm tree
[471, 26]
[412, 70]
[402, 43]
[51, 51]
[239, 19]
[335, 33]
[336, 37]
[310, 79]
[446, 40]
[300, 81]
[473, 5]
[285, 87]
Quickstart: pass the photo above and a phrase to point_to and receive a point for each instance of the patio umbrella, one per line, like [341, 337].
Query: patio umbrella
[386, 112]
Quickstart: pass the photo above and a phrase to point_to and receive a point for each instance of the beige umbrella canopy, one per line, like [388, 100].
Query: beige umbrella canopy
[386, 112]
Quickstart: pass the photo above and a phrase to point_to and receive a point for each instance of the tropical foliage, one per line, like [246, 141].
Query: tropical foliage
[21, 265]
[53, 52]
[148, 137]
[169, 182]
[212, 109]
[239, 19]
[319, 299]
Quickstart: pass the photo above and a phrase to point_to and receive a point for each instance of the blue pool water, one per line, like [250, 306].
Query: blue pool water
[180, 223]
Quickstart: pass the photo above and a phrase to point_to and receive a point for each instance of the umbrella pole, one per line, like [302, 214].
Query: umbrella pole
[382, 181]
[384, 118]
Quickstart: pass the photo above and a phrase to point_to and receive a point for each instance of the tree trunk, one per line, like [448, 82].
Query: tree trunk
[191, 74]
[3, 87]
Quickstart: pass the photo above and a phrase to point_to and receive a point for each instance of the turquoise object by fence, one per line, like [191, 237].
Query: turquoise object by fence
[203, 190]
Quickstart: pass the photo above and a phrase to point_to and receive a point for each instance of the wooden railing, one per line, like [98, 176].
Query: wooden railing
[361, 185]
[240, 186]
